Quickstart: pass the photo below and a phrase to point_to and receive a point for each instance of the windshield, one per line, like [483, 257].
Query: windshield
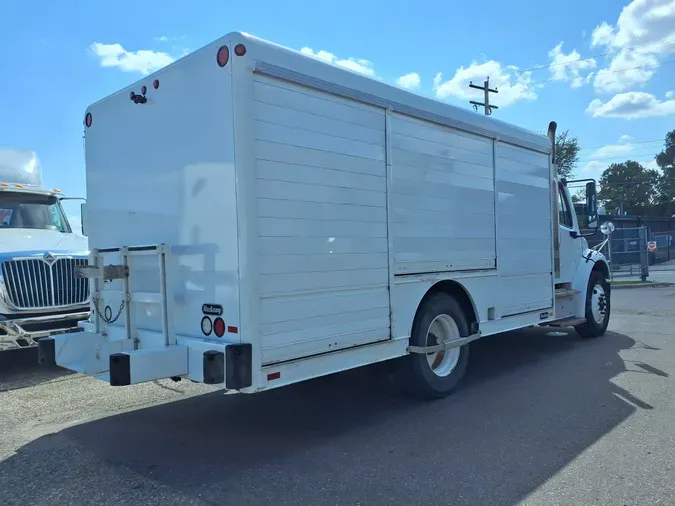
[26, 210]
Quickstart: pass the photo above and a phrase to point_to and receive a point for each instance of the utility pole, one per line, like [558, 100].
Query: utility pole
[486, 105]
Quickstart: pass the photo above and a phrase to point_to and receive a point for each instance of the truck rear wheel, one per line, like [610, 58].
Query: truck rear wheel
[438, 374]
[597, 307]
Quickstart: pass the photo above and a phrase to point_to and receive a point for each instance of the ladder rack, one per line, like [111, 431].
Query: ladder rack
[97, 272]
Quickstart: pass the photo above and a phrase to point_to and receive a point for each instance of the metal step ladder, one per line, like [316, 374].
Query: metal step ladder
[98, 273]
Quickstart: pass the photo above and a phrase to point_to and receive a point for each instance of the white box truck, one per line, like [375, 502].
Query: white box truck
[258, 217]
[39, 251]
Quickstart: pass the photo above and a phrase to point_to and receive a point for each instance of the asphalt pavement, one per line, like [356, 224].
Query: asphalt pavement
[544, 418]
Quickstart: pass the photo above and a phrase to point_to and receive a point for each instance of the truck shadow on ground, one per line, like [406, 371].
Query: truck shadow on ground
[531, 404]
[19, 369]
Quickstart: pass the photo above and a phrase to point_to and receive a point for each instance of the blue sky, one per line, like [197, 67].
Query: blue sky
[611, 83]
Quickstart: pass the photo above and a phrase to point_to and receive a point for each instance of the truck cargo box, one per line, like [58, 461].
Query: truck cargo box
[256, 197]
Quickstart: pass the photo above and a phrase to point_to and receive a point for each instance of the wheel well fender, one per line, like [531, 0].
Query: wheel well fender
[456, 290]
[601, 265]
[581, 281]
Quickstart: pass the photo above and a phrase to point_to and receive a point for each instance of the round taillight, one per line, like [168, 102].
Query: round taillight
[155, 83]
[223, 56]
[88, 119]
[219, 327]
[207, 326]
[240, 49]
[144, 90]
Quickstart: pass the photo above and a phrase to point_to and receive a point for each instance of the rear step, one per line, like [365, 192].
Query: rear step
[565, 292]
[572, 321]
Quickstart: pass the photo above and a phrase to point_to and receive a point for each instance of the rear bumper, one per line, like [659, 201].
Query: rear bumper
[118, 363]
[25, 332]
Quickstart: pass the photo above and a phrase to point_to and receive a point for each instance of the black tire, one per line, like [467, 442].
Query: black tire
[592, 328]
[413, 372]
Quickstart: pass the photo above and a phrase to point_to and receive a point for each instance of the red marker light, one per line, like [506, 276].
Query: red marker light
[219, 327]
[222, 56]
[240, 49]
[155, 83]
[144, 90]
[88, 119]
[273, 376]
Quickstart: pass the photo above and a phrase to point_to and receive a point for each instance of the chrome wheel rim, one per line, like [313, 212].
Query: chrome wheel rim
[442, 329]
[599, 304]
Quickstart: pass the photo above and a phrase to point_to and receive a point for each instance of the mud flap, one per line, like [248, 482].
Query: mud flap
[47, 351]
[239, 365]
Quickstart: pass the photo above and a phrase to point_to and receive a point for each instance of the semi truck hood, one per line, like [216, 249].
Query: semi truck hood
[14, 240]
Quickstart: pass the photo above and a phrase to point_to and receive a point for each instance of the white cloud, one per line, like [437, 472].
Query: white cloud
[511, 85]
[603, 35]
[630, 67]
[631, 105]
[643, 34]
[163, 38]
[594, 167]
[601, 157]
[568, 67]
[144, 61]
[624, 149]
[613, 150]
[410, 81]
[357, 65]
[670, 94]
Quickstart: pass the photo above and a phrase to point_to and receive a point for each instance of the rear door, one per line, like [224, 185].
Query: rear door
[160, 170]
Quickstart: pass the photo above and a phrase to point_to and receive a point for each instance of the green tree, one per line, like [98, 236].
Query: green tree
[629, 185]
[567, 154]
[666, 162]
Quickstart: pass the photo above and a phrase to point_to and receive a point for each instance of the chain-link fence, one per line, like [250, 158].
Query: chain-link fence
[661, 251]
[626, 252]
[638, 252]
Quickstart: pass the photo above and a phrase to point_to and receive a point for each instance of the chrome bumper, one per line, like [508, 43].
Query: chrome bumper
[14, 335]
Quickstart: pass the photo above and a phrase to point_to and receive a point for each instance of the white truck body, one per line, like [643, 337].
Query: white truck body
[307, 212]
[39, 294]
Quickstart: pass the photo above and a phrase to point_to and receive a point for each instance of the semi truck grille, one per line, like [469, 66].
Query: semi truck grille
[35, 284]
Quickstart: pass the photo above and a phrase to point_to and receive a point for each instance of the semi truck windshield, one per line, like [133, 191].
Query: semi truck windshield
[25, 210]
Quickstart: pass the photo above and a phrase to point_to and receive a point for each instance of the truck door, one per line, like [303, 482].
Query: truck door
[570, 246]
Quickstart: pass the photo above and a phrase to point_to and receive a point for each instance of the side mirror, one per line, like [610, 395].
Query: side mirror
[83, 218]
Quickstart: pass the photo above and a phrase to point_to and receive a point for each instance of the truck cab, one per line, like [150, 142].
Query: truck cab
[39, 251]
[581, 273]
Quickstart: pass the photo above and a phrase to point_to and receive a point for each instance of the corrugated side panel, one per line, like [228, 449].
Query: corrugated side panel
[524, 236]
[322, 221]
[442, 200]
